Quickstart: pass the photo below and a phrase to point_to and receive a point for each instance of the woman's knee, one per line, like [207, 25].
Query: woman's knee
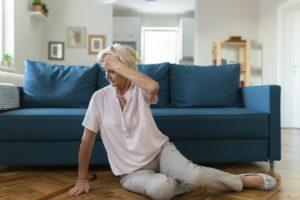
[162, 187]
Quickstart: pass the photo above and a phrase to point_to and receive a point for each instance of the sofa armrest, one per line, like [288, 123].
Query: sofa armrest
[266, 98]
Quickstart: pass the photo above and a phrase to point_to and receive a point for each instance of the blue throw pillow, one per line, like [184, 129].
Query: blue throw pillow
[160, 73]
[50, 85]
[101, 80]
[212, 86]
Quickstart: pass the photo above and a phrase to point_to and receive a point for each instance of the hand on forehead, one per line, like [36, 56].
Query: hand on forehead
[108, 60]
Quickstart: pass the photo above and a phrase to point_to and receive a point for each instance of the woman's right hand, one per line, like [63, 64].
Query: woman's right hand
[81, 186]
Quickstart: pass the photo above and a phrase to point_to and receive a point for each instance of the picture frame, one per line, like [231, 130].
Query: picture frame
[56, 50]
[96, 43]
[76, 37]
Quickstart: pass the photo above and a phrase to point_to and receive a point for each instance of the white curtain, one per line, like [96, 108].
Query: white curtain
[7, 27]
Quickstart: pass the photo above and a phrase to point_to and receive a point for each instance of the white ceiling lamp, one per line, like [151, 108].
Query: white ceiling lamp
[106, 1]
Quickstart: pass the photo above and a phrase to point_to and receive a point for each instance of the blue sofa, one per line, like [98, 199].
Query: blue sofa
[202, 110]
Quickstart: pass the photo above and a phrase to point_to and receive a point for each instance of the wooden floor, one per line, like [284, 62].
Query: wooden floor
[37, 182]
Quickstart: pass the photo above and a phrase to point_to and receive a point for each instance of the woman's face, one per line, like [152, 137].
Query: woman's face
[115, 79]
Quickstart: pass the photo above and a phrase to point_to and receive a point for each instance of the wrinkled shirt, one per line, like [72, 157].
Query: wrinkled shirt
[130, 136]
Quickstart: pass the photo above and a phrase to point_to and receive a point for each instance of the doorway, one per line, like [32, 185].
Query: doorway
[289, 62]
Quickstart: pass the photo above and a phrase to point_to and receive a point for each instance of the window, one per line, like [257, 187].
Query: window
[159, 44]
[7, 27]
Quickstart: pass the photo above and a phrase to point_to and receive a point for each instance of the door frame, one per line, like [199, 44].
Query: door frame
[283, 45]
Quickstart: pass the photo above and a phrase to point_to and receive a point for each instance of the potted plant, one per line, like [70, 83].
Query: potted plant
[45, 9]
[37, 5]
[7, 60]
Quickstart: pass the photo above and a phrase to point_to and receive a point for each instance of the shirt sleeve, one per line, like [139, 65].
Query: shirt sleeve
[92, 117]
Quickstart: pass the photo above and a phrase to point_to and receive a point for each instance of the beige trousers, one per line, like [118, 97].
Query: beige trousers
[170, 173]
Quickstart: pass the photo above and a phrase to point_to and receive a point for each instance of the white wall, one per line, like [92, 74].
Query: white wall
[187, 31]
[217, 20]
[13, 78]
[268, 38]
[29, 36]
[160, 20]
[97, 18]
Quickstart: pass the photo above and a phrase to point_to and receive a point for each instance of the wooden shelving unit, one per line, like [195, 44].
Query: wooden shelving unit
[244, 57]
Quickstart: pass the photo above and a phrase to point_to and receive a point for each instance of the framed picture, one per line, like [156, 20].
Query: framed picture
[55, 50]
[96, 43]
[76, 37]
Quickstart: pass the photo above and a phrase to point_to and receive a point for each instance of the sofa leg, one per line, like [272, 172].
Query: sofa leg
[271, 163]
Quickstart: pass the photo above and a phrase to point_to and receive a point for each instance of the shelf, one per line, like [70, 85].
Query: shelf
[39, 16]
[7, 69]
[244, 56]
[234, 43]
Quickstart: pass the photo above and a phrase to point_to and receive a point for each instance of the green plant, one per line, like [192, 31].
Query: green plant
[37, 2]
[7, 57]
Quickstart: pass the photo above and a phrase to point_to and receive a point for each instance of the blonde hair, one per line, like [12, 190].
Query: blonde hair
[124, 53]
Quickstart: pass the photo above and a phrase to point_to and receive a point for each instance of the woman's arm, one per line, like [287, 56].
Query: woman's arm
[86, 147]
[83, 184]
[111, 62]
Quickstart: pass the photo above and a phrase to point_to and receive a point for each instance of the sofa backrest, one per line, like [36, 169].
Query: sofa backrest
[51, 85]
[181, 86]
[199, 86]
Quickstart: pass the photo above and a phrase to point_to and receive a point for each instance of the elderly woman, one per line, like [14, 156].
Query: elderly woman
[143, 157]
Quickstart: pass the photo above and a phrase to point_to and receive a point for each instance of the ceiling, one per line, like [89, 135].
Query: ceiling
[157, 6]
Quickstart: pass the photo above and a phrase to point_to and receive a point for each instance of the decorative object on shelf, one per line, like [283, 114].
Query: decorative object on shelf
[7, 60]
[37, 5]
[244, 57]
[76, 37]
[55, 50]
[96, 43]
[235, 39]
[45, 9]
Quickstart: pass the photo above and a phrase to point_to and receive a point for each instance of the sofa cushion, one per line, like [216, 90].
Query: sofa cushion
[160, 73]
[212, 123]
[212, 86]
[51, 85]
[64, 124]
[42, 124]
